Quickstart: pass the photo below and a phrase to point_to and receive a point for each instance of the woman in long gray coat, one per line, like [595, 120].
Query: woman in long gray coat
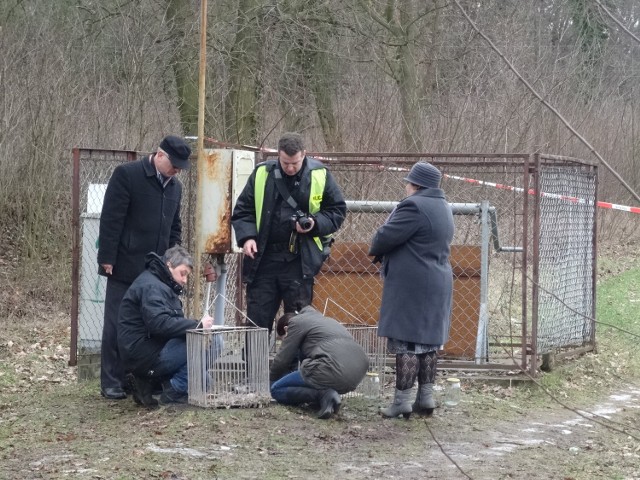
[414, 245]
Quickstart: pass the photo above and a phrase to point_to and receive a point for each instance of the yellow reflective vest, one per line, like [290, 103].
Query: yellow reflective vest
[318, 181]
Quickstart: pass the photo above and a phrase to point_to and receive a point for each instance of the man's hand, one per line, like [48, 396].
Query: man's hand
[108, 269]
[250, 248]
[299, 229]
[207, 321]
[209, 273]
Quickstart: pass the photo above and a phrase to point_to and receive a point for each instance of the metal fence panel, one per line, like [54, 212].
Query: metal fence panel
[566, 257]
[523, 262]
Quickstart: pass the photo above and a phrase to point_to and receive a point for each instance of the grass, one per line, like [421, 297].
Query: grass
[53, 427]
[617, 360]
[579, 380]
[619, 302]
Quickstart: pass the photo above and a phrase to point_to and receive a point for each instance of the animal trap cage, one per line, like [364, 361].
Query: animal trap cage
[228, 367]
[375, 347]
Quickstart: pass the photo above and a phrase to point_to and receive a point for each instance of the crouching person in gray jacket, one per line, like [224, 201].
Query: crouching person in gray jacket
[331, 362]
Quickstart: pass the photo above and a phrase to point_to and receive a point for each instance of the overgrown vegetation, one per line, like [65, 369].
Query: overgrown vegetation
[354, 75]
[357, 75]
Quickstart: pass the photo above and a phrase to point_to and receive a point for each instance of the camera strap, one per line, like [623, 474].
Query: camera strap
[282, 189]
[284, 193]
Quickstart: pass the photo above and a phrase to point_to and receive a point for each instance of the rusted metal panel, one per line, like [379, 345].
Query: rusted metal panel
[221, 178]
[213, 229]
[349, 270]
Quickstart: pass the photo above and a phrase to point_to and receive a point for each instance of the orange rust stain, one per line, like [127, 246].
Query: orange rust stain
[220, 241]
[212, 164]
[217, 175]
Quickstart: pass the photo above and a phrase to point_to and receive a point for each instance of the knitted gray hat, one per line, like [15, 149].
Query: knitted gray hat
[424, 175]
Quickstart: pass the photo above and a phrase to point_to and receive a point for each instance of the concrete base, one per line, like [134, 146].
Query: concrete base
[88, 367]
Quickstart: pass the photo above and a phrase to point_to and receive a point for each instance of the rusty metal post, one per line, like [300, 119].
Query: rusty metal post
[535, 290]
[75, 257]
[200, 150]
[525, 262]
[594, 261]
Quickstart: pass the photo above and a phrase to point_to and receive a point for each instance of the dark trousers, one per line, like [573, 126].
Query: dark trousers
[111, 369]
[275, 282]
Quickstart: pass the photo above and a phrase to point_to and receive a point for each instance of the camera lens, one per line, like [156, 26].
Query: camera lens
[305, 223]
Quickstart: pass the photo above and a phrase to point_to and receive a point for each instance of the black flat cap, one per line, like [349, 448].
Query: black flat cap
[178, 151]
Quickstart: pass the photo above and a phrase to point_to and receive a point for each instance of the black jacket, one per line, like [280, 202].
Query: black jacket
[328, 220]
[138, 217]
[150, 315]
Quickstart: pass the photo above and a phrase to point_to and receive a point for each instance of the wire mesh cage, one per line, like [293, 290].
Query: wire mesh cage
[375, 347]
[228, 367]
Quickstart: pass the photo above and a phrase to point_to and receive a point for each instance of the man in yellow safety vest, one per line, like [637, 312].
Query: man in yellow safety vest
[283, 221]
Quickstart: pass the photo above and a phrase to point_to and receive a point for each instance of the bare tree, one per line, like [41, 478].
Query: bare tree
[401, 30]
[182, 23]
[245, 73]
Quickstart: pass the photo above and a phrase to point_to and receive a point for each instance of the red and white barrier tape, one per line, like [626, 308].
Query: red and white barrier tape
[531, 191]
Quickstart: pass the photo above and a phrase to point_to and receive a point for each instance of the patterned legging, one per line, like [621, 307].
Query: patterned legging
[409, 366]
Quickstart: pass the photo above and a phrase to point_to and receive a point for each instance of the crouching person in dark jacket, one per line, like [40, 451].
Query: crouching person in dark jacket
[152, 329]
[331, 362]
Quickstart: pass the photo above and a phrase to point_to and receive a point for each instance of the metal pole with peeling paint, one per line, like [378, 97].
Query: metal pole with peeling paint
[197, 284]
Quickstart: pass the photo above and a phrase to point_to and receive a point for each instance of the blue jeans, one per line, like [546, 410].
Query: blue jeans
[279, 388]
[172, 362]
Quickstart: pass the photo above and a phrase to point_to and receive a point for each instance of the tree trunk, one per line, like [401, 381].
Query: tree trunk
[403, 37]
[184, 37]
[241, 112]
[316, 65]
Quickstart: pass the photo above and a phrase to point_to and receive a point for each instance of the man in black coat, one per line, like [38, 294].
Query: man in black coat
[140, 214]
[285, 247]
[152, 328]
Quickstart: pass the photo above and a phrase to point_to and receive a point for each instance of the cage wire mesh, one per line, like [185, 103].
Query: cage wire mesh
[501, 282]
[376, 349]
[349, 278]
[228, 367]
[506, 338]
[95, 168]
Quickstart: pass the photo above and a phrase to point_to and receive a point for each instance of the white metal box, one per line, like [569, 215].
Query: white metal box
[221, 178]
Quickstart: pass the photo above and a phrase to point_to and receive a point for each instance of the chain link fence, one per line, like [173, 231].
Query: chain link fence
[523, 263]
[564, 282]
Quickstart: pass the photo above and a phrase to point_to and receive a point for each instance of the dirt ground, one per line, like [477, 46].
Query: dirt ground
[53, 427]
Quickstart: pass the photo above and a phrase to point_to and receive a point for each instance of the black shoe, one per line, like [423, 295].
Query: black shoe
[329, 404]
[113, 393]
[142, 391]
[170, 395]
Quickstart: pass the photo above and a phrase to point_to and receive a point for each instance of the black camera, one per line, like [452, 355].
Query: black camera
[301, 219]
